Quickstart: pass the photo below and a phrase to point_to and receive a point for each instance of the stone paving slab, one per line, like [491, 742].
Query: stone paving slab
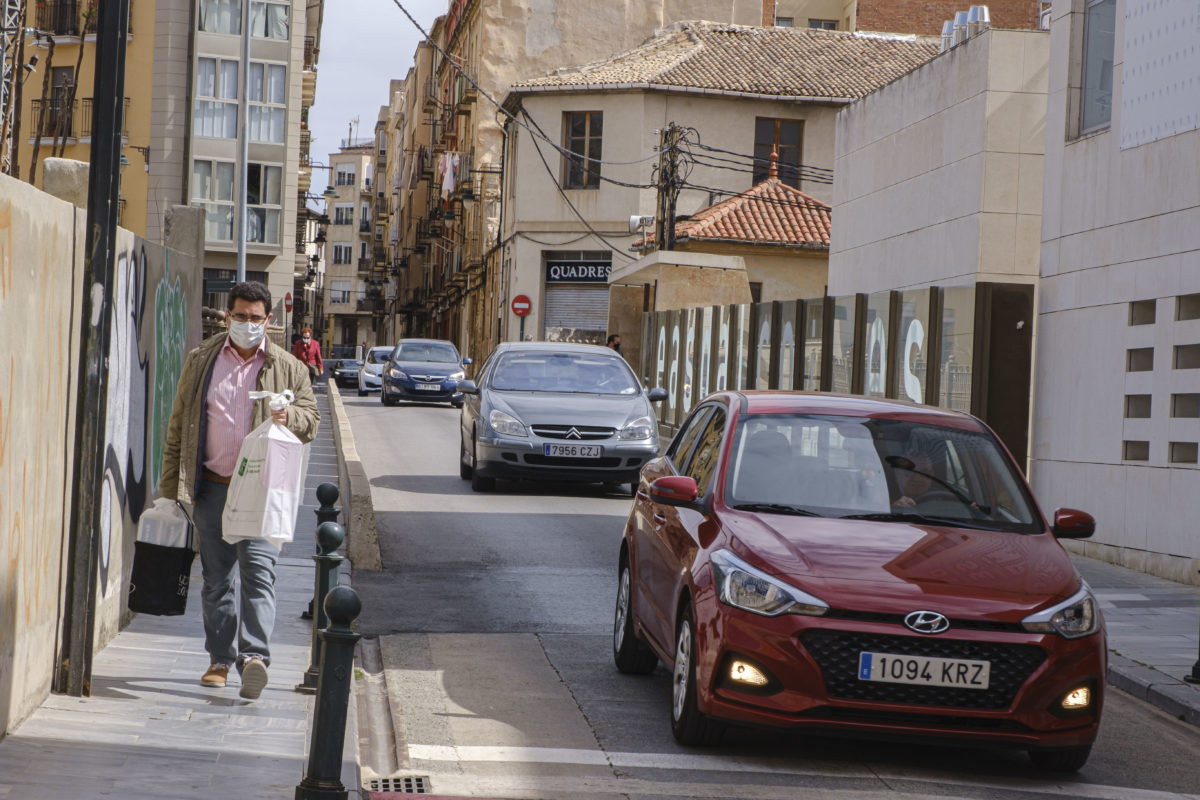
[150, 730]
[1153, 634]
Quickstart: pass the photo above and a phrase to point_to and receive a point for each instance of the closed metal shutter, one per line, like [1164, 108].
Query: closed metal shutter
[576, 313]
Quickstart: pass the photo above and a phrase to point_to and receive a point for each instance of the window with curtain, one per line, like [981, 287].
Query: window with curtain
[339, 291]
[269, 20]
[343, 214]
[216, 111]
[584, 131]
[221, 16]
[343, 253]
[264, 193]
[212, 190]
[267, 96]
[346, 176]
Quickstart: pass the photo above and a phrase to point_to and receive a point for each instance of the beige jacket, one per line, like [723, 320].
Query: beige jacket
[183, 456]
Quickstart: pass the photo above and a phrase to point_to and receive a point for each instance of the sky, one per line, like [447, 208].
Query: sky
[364, 45]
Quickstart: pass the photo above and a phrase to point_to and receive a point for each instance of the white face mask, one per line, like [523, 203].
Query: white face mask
[307, 338]
[246, 334]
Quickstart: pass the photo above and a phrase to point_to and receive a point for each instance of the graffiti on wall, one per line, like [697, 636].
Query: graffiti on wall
[170, 347]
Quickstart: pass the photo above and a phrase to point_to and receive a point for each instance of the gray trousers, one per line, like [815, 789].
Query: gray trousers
[239, 585]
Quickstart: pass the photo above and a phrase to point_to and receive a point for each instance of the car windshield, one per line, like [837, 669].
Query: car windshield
[563, 372]
[885, 469]
[379, 355]
[426, 351]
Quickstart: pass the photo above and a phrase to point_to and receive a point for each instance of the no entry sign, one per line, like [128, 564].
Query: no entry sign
[287, 302]
[521, 305]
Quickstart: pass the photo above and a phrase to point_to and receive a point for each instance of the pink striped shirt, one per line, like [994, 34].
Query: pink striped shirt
[230, 410]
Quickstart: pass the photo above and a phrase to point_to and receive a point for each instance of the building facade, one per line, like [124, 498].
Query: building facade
[351, 297]
[196, 123]
[55, 116]
[1117, 409]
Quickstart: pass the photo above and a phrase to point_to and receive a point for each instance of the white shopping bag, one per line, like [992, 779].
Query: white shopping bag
[265, 488]
[165, 524]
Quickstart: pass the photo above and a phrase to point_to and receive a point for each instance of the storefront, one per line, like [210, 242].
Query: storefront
[575, 298]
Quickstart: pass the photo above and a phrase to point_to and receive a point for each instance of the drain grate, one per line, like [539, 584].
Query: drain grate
[400, 784]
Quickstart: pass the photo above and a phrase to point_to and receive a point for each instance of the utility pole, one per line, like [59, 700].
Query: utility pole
[668, 184]
[73, 671]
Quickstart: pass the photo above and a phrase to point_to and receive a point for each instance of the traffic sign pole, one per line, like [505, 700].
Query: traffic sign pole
[521, 305]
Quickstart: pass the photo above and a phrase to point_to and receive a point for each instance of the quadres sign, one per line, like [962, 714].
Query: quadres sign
[578, 271]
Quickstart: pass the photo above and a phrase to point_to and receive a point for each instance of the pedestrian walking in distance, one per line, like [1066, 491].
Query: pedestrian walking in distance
[614, 342]
[211, 416]
[308, 350]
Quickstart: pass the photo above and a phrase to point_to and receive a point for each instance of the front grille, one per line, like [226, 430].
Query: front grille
[555, 461]
[585, 432]
[836, 652]
[427, 378]
[898, 619]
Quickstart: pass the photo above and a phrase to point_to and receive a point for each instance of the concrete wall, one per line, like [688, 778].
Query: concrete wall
[155, 299]
[938, 175]
[1119, 226]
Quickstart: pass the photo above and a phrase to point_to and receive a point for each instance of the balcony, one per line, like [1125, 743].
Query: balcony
[310, 52]
[90, 17]
[52, 118]
[85, 128]
[372, 304]
[429, 99]
[366, 186]
[364, 226]
[59, 17]
[305, 148]
[308, 84]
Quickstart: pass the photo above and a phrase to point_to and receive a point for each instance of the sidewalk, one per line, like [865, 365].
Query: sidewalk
[150, 730]
[1153, 634]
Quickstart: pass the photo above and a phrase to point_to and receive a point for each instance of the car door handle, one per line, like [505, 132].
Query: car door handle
[660, 519]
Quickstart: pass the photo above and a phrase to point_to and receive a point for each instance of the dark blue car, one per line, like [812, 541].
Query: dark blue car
[424, 370]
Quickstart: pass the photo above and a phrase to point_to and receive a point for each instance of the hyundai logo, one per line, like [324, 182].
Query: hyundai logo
[927, 622]
[573, 434]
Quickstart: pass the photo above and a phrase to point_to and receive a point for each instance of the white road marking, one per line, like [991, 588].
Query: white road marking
[718, 763]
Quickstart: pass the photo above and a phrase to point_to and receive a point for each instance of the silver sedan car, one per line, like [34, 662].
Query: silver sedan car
[561, 412]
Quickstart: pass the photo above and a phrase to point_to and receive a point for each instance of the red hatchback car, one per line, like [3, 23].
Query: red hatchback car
[858, 566]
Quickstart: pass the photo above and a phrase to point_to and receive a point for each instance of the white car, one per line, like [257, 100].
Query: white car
[370, 377]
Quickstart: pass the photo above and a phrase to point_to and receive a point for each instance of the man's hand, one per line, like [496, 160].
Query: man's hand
[280, 417]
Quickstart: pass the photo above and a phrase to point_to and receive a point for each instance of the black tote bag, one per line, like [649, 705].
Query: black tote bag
[159, 583]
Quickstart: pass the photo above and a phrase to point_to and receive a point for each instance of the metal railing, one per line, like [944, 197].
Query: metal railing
[364, 265]
[52, 118]
[305, 148]
[91, 16]
[59, 17]
[364, 226]
[310, 52]
[85, 126]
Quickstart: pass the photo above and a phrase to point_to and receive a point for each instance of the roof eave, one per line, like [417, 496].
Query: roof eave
[583, 88]
[749, 243]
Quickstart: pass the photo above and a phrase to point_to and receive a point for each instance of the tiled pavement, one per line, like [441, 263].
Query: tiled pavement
[1153, 634]
[150, 730]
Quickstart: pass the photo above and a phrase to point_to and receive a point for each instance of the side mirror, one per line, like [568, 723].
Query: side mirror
[1071, 523]
[467, 361]
[656, 395]
[468, 387]
[675, 490]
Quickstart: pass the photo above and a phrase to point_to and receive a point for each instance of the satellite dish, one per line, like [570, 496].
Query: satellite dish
[637, 222]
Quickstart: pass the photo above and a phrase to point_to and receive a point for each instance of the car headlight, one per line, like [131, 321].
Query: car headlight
[396, 373]
[457, 376]
[506, 424]
[640, 428]
[1073, 618]
[742, 586]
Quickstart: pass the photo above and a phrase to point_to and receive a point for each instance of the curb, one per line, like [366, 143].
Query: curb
[1179, 699]
[362, 540]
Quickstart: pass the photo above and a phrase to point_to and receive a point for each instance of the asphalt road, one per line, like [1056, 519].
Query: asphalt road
[494, 615]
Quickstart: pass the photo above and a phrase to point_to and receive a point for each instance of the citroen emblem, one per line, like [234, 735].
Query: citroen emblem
[927, 622]
[573, 433]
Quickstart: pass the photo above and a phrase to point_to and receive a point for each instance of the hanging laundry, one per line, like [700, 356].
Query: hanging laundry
[448, 173]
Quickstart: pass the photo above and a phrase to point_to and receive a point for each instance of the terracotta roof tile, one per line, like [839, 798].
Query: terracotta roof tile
[771, 212]
[784, 62]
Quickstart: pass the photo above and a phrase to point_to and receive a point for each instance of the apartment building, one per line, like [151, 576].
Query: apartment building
[194, 152]
[353, 298]
[921, 17]
[55, 115]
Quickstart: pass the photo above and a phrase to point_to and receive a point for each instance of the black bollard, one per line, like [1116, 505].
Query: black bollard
[323, 778]
[329, 538]
[327, 495]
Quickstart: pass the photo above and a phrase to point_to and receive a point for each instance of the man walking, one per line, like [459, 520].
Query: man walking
[211, 416]
[308, 351]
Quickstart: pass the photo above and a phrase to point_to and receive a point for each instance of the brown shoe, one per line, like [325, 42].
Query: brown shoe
[217, 675]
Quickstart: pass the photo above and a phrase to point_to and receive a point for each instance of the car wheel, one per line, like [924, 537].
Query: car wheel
[688, 724]
[362, 392]
[464, 469]
[1069, 759]
[457, 405]
[387, 401]
[478, 482]
[631, 655]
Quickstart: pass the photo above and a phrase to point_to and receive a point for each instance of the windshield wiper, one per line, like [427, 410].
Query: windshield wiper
[777, 508]
[925, 519]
